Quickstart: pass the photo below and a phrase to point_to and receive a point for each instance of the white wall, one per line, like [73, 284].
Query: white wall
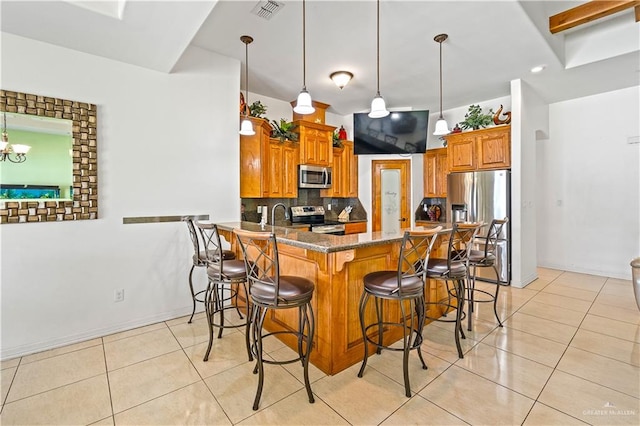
[530, 118]
[588, 185]
[167, 145]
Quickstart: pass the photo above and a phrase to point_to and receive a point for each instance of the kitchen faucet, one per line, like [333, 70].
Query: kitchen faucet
[273, 213]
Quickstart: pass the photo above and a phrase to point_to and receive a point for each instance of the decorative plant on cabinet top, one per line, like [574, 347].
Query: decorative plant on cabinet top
[283, 130]
[257, 109]
[474, 118]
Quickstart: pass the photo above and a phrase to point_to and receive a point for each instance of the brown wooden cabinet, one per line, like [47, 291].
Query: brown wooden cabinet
[436, 169]
[483, 149]
[316, 143]
[355, 227]
[268, 167]
[344, 173]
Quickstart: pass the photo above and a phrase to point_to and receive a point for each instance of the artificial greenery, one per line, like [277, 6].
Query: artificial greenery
[336, 139]
[474, 119]
[283, 130]
[256, 109]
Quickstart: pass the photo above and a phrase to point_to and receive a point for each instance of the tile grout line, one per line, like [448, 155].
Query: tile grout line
[15, 373]
[198, 371]
[106, 369]
[555, 368]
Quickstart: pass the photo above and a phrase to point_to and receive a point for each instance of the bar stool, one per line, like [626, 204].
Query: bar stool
[406, 283]
[201, 254]
[270, 290]
[225, 278]
[485, 258]
[454, 268]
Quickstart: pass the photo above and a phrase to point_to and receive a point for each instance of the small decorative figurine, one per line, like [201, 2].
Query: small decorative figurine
[342, 134]
[497, 120]
[456, 129]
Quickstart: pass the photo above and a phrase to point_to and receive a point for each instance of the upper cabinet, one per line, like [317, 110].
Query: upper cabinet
[268, 167]
[344, 173]
[316, 143]
[435, 173]
[483, 149]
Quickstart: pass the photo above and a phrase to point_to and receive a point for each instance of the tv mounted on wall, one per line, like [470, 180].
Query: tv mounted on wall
[401, 132]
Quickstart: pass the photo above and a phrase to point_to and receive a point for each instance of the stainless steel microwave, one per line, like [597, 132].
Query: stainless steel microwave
[314, 177]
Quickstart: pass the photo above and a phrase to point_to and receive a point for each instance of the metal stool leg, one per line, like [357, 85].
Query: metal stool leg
[458, 332]
[310, 322]
[420, 310]
[406, 344]
[363, 303]
[193, 295]
[209, 313]
[495, 297]
[259, 368]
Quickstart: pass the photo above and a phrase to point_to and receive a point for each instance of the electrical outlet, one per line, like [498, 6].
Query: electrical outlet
[329, 206]
[118, 295]
[259, 209]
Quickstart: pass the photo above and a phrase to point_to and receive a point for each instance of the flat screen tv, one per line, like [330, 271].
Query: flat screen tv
[401, 132]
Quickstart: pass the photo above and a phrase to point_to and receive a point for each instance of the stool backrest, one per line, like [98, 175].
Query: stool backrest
[195, 240]
[461, 240]
[414, 254]
[211, 245]
[493, 235]
[260, 252]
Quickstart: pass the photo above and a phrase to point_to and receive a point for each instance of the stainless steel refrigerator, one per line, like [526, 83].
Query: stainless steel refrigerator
[483, 196]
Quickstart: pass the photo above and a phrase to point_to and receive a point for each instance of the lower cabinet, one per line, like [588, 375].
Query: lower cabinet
[355, 228]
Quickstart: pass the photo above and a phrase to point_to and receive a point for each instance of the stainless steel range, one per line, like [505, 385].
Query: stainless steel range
[314, 217]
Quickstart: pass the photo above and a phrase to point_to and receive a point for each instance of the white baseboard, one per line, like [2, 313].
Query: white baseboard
[580, 270]
[17, 351]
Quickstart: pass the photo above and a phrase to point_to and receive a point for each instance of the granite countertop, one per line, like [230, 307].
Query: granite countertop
[323, 243]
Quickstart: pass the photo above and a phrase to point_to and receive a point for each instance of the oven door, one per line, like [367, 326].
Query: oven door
[314, 177]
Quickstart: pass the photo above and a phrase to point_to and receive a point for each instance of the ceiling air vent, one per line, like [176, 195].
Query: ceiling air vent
[266, 9]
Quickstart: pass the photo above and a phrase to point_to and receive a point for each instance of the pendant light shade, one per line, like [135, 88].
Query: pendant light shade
[246, 127]
[442, 128]
[303, 104]
[378, 106]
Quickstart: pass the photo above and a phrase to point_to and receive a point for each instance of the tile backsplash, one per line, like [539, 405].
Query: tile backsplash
[306, 197]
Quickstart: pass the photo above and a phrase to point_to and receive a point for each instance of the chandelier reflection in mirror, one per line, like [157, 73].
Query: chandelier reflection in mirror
[15, 153]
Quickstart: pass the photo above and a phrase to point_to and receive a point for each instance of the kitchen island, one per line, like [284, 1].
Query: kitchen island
[336, 264]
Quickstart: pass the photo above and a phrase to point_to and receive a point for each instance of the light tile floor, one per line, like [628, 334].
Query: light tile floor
[569, 353]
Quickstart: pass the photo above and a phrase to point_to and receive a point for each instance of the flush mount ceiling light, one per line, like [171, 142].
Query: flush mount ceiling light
[442, 128]
[246, 128]
[303, 104]
[538, 69]
[19, 152]
[378, 107]
[341, 78]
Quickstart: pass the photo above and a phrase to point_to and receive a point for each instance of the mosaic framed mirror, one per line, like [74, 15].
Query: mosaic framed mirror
[58, 179]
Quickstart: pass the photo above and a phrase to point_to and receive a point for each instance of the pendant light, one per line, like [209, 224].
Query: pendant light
[246, 128]
[303, 104]
[442, 128]
[378, 107]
